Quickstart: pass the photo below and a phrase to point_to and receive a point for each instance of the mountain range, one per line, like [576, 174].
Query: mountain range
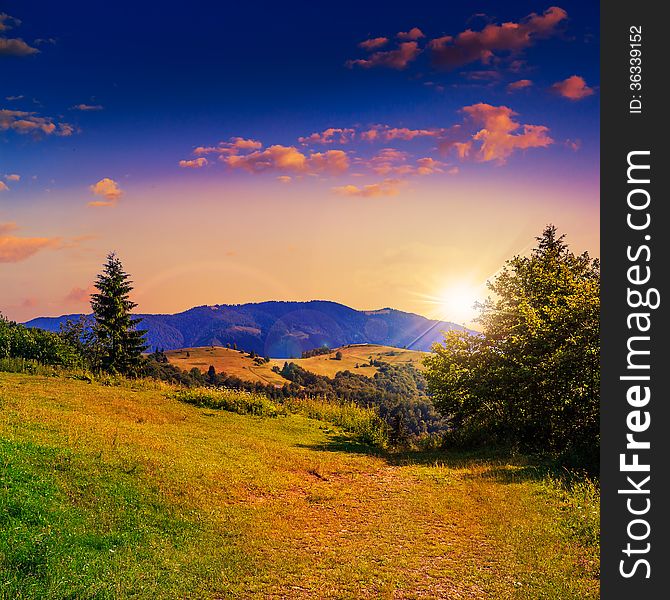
[281, 329]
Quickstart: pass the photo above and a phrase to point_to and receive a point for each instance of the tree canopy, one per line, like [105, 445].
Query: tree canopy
[532, 378]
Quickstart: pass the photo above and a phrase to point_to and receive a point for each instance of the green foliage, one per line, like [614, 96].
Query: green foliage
[321, 350]
[240, 402]
[30, 367]
[44, 347]
[579, 501]
[119, 343]
[364, 423]
[396, 392]
[532, 378]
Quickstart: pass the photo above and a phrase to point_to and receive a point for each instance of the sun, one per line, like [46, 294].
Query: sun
[457, 303]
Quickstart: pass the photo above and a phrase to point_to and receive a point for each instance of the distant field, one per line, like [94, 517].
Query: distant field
[239, 364]
[357, 354]
[232, 362]
[120, 491]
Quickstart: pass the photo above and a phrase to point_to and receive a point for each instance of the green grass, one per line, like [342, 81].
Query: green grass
[240, 402]
[112, 489]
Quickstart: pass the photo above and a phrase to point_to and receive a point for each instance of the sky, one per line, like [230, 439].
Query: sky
[374, 154]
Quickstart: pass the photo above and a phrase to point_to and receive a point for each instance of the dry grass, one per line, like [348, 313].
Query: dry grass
[288, 507]
[231, 362]
[357, 354]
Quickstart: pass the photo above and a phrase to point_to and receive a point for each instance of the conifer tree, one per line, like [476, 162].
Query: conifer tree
[119, 340]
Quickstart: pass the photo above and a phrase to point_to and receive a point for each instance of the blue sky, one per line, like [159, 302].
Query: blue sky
[121, 93]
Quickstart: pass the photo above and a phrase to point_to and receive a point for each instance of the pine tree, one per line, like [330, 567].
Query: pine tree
[120, 342]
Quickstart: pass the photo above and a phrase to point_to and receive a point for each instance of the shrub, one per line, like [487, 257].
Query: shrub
[243, 403]
[44, 347]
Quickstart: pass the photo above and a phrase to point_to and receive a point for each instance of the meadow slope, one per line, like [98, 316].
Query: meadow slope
[121, 491]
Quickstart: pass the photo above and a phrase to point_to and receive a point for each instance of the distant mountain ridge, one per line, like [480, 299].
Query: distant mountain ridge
[282, 329]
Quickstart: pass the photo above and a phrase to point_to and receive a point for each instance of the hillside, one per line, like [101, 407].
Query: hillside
[121, 491]
[355, 358]
[231, 362]
[282, 329]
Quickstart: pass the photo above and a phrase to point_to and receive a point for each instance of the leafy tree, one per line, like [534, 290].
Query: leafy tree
[119, 340]
[44, 347]
[338, 355]
[532, 378]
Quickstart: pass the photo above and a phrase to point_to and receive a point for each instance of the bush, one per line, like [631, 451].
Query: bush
[43, 347]
[243, 403]
[364, 423]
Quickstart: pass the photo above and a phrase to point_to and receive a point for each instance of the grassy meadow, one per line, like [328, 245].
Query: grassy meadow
[357, 354]
[122, 490]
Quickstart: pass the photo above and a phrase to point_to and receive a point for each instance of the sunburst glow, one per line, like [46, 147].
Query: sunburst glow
[457, 303]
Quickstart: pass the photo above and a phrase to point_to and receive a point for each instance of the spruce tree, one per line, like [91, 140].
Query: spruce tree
[119, 340]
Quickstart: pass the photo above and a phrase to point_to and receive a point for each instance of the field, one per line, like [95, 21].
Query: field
[357, 354]
[239, 364]
[232, 362]
[120, 491]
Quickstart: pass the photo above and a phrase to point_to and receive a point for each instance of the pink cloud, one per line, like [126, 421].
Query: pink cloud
[30, 302]
[573, 88]
[108, 189]
[574, 145]
[78, 295]
[489, 133]
[3, 187]
[28, 122]
[392, 162]
[15, 249]
[227, 148]
[196, 163]
[388, 187]
[386, 133]
[392, 59]
[87, 107]
[428, 166]
[412, 35]
[472, 46]
[15, 47]
[289, 159]
[328, 136]
[13, 177]
[241, 143]
[373, 43]
[519, 85]
[332, 162]
[388, 161]
[8, 22]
